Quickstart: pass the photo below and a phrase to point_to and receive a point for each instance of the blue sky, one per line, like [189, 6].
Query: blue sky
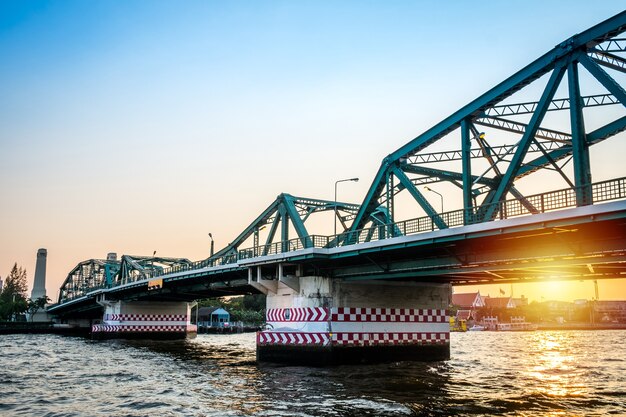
[142, 125]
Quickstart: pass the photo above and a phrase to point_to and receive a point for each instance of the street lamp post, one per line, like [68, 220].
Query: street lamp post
[427, 188]
[212, 243]
[337, 182]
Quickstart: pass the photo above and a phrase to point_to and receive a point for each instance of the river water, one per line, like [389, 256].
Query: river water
[560, 373]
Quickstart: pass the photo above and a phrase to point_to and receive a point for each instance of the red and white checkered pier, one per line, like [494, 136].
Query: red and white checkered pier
[152, 320]
[414, 325]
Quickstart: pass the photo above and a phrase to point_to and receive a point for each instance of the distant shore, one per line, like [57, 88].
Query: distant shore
[51, 328]
[24, 327]
[581, 326]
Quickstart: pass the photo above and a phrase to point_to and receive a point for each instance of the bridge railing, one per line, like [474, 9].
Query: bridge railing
[539, 203]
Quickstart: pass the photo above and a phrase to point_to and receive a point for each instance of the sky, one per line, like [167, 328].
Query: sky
[141, 126]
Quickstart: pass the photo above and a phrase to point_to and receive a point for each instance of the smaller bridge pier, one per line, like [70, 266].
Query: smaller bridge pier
[320, 321]
[144, 320]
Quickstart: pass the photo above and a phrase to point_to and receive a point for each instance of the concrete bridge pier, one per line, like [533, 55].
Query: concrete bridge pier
[321, 321]
[144, 320]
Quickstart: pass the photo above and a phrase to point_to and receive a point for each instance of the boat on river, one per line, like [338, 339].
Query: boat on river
[517, 324]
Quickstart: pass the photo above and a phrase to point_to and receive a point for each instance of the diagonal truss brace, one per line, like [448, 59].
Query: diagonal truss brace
[419, 197]
[507, 180]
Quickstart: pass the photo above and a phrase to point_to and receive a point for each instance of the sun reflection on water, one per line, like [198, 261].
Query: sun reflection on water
[551, 366]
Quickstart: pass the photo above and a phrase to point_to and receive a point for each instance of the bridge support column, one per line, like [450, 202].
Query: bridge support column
[328, 322]
[144, 320]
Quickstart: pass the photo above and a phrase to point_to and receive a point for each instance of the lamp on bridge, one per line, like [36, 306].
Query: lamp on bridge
[212, 244]
[337, 182]
[427, 188]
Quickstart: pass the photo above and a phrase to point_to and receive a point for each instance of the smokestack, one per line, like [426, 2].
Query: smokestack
[39, 284]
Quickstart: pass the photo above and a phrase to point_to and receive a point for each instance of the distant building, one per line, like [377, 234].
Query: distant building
[468, 301]
[213, 317]
[464, 315]
[1, 284]
[560, 311]
[499, 302]
[520, 302]
[611, 311]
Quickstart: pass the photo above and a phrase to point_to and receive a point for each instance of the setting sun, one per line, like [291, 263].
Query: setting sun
[608, 289]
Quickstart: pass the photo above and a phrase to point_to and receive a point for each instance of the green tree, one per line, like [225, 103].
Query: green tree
[213, 302]
[35, 305]
[249, 309]
[536, 312]
[13, 296]
[254, 302]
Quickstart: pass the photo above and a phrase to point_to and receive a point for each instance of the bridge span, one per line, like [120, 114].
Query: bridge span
[379, 290]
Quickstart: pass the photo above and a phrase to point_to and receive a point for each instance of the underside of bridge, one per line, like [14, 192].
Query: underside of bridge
[588, 247]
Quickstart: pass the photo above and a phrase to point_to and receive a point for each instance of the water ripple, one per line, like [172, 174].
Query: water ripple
[515, 374]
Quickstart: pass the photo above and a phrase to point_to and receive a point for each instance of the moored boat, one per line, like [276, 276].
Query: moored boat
[517, 324]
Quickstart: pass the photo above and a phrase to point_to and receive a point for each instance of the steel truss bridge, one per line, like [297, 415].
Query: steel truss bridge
[533, 131]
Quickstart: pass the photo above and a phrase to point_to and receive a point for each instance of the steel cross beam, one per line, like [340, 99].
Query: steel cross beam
[556, 104]
[612, 45]
[517, 127]
[609, 60]
[447, 175]
[474, 153]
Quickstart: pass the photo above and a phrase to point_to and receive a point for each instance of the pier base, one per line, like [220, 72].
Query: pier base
[320, 321]
[144, 320]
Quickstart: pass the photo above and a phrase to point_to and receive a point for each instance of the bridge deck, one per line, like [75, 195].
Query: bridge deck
[578, 243]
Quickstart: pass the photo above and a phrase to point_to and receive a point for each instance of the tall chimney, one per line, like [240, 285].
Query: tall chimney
[39, 284]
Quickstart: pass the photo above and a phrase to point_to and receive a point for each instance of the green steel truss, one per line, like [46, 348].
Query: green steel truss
[523, 138]
[88, 276]
[289, 213]
[135, 268]
[285, 213]
[520, 141]
[96, 274]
